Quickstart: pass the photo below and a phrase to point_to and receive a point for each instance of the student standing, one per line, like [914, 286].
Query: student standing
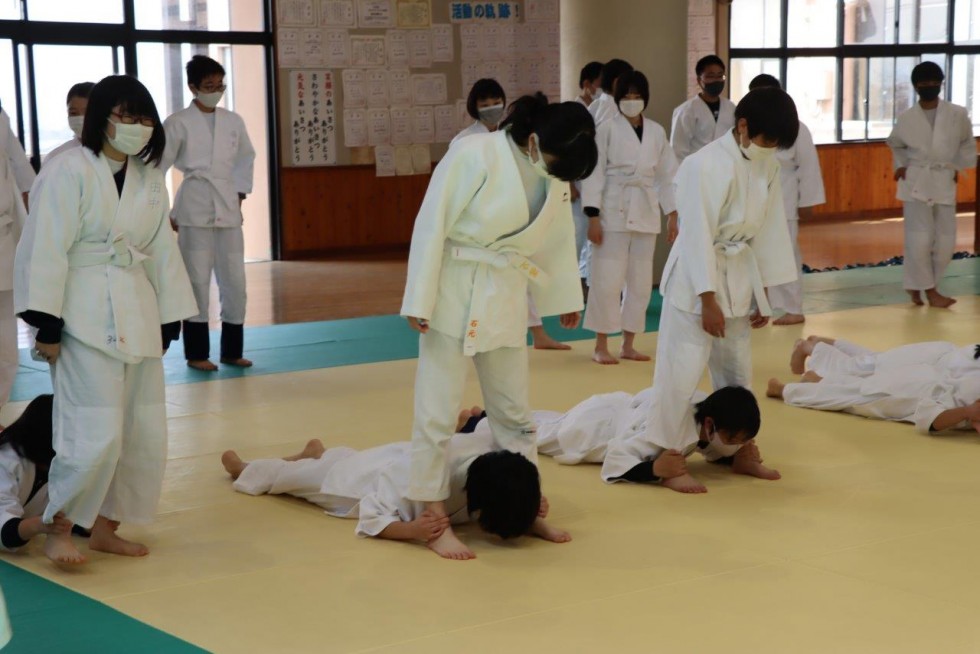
[485, 104]
[77, 104]
[931, 143]
[210, 146]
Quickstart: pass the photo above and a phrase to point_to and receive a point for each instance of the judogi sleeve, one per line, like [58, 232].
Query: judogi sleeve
[41, 263]
[174, 129]
[23, 172]
[681, 131]
[665, 173]
[966, 156]
[700, 195]
[900, 149]
[594, 185]
[454, 183]
[811, 190]
[772, 245]
[926, 412]
[11, 512]
[242, 171]
[174, 294]
[557, 256]
[381, 507]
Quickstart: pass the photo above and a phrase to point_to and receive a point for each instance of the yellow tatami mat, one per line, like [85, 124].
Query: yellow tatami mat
[867, 544]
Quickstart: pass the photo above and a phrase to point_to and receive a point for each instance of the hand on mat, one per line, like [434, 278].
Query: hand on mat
[669, 464]
[712, 318]
[544, 507]
[758, 320]
[418, 324]
[429, 526]
[672, 230]
[48, 351]
[570, 320]
[900, 173]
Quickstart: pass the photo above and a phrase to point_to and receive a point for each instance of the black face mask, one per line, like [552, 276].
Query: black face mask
[714, 88]
[928, 93]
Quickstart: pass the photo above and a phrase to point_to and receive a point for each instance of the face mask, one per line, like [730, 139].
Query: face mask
[928, 93]
[540, 167]
[491, 115]
[130, 139]
[210, 100]
[714, 89]
[631, 108]
[757, 152]
[75, 125]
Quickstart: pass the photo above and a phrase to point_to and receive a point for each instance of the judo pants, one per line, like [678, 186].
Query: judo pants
[110, 435]
[621, 267]
[533, 319]
[930, 239]
[843, 393]
[788, 298]
[8, 345]
[439, 385]
[582, 250]
[302, 479]
[218, 250]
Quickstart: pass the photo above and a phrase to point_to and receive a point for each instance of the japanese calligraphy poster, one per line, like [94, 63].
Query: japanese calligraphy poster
[313, 139]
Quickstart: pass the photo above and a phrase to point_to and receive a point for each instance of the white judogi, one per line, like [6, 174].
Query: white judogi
[913, 383]
[631, 182]
[931, 156]
[370, 486]
[487, 227]
[17, 477]
[16, 177]
[109, 266]
[733, 242]
[693, 125]
[476, 128]
[603, 108]
[70, 144]
[217, 162]
[802, 184]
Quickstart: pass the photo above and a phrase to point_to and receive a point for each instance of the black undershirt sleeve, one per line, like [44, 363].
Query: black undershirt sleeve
[641, 473]
[9, 536]
[48, 326]
[169, 333]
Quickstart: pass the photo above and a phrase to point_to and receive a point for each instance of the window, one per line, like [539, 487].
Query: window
[847, 63]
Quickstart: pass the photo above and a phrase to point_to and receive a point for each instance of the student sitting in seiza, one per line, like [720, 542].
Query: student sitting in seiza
[934, 385]
[498, 489]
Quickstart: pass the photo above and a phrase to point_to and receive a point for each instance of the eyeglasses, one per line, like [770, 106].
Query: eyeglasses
[212, 89]
[129, 119]
[714, 78]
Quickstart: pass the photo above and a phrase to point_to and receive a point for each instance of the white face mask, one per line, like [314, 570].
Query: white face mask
[540, 167]
[209, 100]
[757, 152]
[75, 124]
[130, 139]
[491, 115]
[631, 108]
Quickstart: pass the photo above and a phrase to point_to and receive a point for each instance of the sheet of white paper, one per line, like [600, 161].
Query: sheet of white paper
[445, 120]
[401, 126]
[379, 127]
[491, 42]
[423, 125]
[429, 89]
[421, 159]
[420, 49]
[296, 12]
[543, 11]
[400, 87]
[414, 14]
[337, 13]
[550, 35]
[508, 40]
[355, 93]
[311, 51]
[355, 128]
[376, 81]
[336, 48]
[312, 119]
[375, 13]
[403, 160]
[367, 51]
[471, 72]
[443, 49]
[289, 47]
[471, 41]
[397, 43]
[384, 161]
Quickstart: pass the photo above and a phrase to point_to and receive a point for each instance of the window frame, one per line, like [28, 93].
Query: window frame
[126, 36]
[841, 51]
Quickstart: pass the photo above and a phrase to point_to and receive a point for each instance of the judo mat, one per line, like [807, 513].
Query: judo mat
[867, 544]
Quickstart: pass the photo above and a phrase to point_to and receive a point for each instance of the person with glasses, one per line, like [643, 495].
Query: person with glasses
[77, 104]
[99, 276]
[931, 143]
[210, 146]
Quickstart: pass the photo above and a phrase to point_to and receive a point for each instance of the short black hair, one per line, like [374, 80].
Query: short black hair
[506, 489]
[634, 81]
[733, 408]
[565, 130]
[483, 89]
[927, 71]
[709, 60]
[764, 80]
[771, 112]
[132, 98]
[590, 71]
[611, 72]
[201, 66]
[80, 90]
[30, 435]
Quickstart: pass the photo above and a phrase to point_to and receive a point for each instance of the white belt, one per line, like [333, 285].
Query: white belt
[637, 186]
[478, 300]
[738, 258]
[120, 254]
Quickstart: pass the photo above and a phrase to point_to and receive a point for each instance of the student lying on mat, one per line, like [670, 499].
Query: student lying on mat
[500, 490]
[934, 385]
[25, 456]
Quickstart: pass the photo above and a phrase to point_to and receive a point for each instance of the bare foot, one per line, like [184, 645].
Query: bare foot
[238, 363]
[684, 484]
[60, 549]
[603, 357]
[755, 469]
[314, 449]
[810, 377]
[542, 529]
[916, 297]
[105, 539]
[202, 364]
[938, 300]
[545, 342]
[633, 355]
[790, 319]
[775, 389]
[448, 546]
[801, 350]
[233, 463]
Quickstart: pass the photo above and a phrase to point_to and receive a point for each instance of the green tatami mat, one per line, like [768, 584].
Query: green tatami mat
[50, 619]
[327, 344]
